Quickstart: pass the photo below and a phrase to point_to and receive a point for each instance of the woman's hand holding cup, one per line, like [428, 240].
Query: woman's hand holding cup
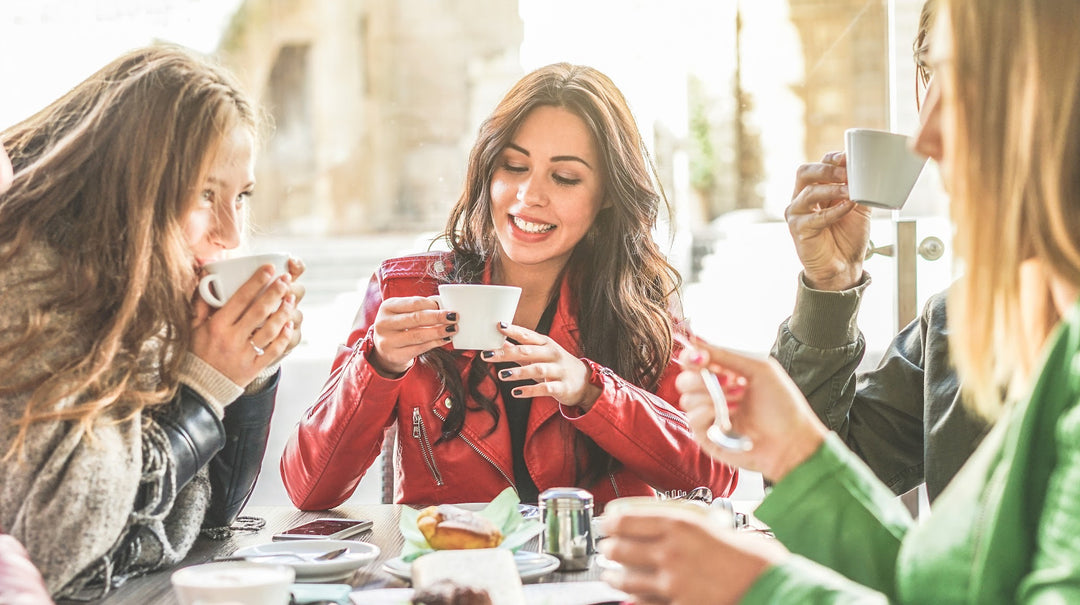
[254, 328]
[406, 327]
[766, 406]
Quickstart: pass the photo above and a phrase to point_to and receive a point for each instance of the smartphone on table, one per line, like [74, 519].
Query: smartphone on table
[325, 529]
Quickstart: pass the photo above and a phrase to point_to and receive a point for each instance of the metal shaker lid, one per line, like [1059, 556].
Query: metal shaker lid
[566, 498]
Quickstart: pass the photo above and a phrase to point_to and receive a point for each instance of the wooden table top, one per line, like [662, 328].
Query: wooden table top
[156, 587]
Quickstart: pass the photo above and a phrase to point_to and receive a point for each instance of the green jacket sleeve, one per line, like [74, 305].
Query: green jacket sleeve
[1055, 572]
[832, 510]
[798, 580]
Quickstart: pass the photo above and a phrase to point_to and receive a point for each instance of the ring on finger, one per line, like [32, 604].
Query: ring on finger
[259, 351]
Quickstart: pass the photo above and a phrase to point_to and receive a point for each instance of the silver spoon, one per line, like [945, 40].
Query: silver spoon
[721, 432]
[326, 556]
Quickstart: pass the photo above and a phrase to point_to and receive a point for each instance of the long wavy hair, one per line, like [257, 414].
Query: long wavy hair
[624, 287]
[1015, 182]
[104, 177]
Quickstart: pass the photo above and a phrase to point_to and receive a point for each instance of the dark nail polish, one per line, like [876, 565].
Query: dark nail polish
[448, 339]
[516, 392]
[487, 354]
[451, 329]
[503, 325]
[505, 374]
[451, 316]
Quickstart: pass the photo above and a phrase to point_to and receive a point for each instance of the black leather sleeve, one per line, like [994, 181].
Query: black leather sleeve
[195, 433]
[235, 468]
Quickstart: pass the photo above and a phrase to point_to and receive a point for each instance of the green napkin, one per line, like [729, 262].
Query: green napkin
[502, 511]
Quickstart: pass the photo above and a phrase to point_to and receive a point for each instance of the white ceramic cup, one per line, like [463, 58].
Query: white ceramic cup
[233, 582]
[480, 308]
[670, 508]
[881, 167]
[224, 277]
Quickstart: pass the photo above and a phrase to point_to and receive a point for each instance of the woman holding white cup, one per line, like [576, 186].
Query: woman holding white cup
[559, 202]
[119, 385]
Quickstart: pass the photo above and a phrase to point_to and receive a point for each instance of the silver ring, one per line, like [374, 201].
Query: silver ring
[258, 350]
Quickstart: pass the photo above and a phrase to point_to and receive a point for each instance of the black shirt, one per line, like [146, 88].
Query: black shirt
[517, 416]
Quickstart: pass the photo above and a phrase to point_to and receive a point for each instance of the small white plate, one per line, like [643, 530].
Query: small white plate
[530, 566]
[360, 554]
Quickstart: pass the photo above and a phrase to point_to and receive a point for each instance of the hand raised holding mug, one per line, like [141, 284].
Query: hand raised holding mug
[829, 230]
[254, 327]
[406, 327]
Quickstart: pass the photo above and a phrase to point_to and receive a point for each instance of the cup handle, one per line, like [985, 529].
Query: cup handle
[207, 292]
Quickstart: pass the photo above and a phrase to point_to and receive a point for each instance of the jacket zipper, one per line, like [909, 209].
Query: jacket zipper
[477, 450]
[614, 486]
[420, 434]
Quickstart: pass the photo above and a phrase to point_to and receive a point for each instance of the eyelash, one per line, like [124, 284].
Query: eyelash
[208, 197]
[562, 180]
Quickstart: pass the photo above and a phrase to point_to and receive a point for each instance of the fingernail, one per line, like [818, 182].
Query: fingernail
[516, 392]
[697, 358]
[487, 354]
[451, 316]
[503, 325]
[451, 328]
[448, 339]
[505, 374]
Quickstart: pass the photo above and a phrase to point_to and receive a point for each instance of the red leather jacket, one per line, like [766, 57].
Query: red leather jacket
[339, 437]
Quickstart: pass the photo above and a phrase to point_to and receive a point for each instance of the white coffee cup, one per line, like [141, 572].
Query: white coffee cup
[881, 167]
[224, 277]
[233, 582]
[670, 508]
[480, 308]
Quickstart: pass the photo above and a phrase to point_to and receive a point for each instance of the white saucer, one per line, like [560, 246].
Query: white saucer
[360, 554]
[530, 566]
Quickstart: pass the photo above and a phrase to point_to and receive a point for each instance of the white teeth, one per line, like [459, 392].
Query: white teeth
[531, 227]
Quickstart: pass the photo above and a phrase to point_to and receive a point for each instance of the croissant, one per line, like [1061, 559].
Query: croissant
[448, 527]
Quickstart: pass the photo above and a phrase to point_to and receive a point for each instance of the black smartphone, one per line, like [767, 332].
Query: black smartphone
[325, 529]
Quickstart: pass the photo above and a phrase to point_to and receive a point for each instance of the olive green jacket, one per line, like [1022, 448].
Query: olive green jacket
[904, 418]
[1006, 530]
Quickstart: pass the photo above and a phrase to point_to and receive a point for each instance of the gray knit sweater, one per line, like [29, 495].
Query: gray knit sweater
[92, 510]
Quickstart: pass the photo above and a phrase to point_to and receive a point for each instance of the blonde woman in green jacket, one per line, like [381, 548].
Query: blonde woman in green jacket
[1005, 130]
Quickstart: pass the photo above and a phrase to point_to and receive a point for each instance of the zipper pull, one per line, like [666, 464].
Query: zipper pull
[416, 423]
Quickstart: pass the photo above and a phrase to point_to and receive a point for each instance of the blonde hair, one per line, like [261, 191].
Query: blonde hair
[104, 177]
[1015, 106]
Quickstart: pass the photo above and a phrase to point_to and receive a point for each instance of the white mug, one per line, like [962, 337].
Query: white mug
[233, 582]
[881, 167]
[224, 277]
[480, 308]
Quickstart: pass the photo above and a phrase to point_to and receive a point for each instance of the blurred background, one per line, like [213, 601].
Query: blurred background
[376, 104]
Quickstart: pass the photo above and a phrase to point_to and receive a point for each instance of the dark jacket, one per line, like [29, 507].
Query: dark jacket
[904, 418]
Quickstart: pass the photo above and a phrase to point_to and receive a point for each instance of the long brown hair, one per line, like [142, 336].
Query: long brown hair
[104, 177]
[1013, 97]
[622, 282]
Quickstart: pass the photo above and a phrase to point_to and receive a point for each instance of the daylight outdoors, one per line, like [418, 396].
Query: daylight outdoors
[375, 104]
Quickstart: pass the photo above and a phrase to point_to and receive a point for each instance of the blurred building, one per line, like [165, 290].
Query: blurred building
[846, 58]
[374, 104]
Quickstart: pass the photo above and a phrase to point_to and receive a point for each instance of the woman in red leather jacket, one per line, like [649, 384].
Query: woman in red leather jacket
[559, 200]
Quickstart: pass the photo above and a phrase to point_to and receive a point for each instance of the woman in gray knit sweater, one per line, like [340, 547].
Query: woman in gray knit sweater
[131, 413]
